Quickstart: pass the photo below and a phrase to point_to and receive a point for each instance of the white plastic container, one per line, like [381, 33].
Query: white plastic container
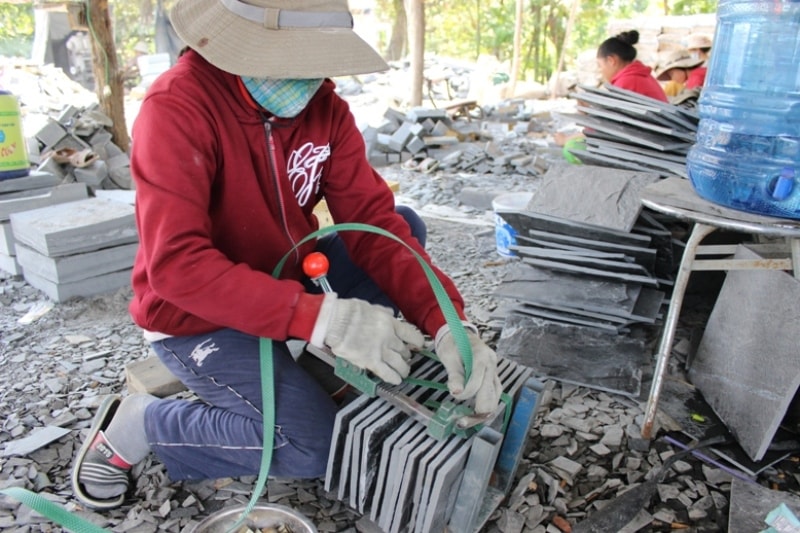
[505, 235]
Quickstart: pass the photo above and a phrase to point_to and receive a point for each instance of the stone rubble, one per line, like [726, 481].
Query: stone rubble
[583, 452]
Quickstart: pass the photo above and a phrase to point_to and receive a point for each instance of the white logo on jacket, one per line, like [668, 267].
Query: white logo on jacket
[203, 350]
[305, 170]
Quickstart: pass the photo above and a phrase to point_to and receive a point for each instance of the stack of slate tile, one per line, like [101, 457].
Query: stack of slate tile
[80, 248]
[593, 267]
[627, 130]
[38, 189]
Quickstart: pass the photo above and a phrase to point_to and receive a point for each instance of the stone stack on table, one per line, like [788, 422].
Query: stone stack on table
[79, 248]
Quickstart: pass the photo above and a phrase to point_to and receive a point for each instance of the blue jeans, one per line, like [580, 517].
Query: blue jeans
[221, 435]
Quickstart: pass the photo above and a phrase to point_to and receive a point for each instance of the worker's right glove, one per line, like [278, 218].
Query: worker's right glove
[367, 335]
[484, 382]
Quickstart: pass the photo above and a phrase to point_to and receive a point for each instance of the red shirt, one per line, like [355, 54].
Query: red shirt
[221, 196]
[638, 77]
[697, 77]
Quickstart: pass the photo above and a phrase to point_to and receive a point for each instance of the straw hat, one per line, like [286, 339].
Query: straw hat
[676, 59]
[276, 38]
[697, 41]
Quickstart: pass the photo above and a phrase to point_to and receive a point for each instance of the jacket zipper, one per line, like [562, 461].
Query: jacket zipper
[273, 168]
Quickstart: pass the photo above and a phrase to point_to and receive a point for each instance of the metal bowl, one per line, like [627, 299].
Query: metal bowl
[263, 515]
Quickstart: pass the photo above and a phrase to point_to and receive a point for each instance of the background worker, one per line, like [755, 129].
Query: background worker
[675, 70]
[232, 148]
[616, 59]
[699, 46]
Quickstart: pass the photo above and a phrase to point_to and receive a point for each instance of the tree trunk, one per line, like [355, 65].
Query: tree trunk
[516, 54]
[416, 47]
[107, 75]
[397, 42]
[570, 23]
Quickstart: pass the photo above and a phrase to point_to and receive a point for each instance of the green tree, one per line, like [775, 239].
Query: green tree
[16, 30]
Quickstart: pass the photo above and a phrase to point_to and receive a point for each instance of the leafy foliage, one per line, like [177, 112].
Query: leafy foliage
[16, 30]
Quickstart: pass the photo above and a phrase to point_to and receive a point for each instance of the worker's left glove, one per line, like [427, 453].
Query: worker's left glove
[484, 383]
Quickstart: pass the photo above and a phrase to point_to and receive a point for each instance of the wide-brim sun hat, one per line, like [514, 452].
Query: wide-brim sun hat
[698, 41]
[276, 39]
[678, 59]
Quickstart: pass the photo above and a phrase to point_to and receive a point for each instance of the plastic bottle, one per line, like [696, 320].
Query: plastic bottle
[13, 149]
[747, 152]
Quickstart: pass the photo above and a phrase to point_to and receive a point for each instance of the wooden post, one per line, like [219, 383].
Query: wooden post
[416, 47]
[107, 75]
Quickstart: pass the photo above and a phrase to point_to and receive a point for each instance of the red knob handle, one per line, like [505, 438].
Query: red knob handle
[315, 265]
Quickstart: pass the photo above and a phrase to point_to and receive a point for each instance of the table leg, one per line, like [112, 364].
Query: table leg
[699, 232]
[794, 244]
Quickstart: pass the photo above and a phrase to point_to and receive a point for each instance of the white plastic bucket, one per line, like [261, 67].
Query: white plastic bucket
[505, 235]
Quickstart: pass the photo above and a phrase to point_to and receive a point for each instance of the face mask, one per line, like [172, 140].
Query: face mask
[282, 98]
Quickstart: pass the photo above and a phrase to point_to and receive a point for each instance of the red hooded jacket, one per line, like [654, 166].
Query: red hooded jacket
[638, 77]
[224, 191]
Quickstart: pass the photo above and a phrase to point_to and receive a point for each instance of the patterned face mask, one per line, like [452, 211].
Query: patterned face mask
[282, 98]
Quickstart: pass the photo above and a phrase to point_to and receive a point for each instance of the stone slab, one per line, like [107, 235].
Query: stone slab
[35, 180]
[6, 239]
[572, 354]
[37, 439]
[606, 197]
[75, 227]
[95, 285]
[746, 365]
[150, 376]
[36, 198]
[9, 263]
[751, 503]
[523, 221]
[75, 267]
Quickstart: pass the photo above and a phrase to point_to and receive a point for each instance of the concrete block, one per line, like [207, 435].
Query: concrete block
[34, 180]
[60, 292]
[50, 166]
[67, 114]
[415, 145]
[119, 178]
[100, 137]
[382, 142]
[746, 366]
[92, 175]
[71, 142]
[37, 198]
[151, 376]
[428, 125]
[9, 264]
[440, 129]
[75, 227]
[400, 137]
[34, 153]
[416, 129]
[6, 239]
[75, 267]
[418, 114]
[51, 134]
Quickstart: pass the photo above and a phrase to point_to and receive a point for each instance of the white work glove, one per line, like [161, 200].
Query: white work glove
[367, 335]
[484, 383]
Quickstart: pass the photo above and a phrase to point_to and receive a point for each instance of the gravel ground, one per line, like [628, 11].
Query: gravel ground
[59, 359]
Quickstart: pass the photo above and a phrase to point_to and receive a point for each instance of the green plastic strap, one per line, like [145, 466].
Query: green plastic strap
[53, 511]
[268, 408]
[448, 310]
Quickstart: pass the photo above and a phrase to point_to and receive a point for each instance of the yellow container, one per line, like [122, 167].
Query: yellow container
[13, 150]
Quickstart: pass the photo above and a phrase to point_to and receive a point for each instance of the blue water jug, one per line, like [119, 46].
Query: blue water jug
[747, 152]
